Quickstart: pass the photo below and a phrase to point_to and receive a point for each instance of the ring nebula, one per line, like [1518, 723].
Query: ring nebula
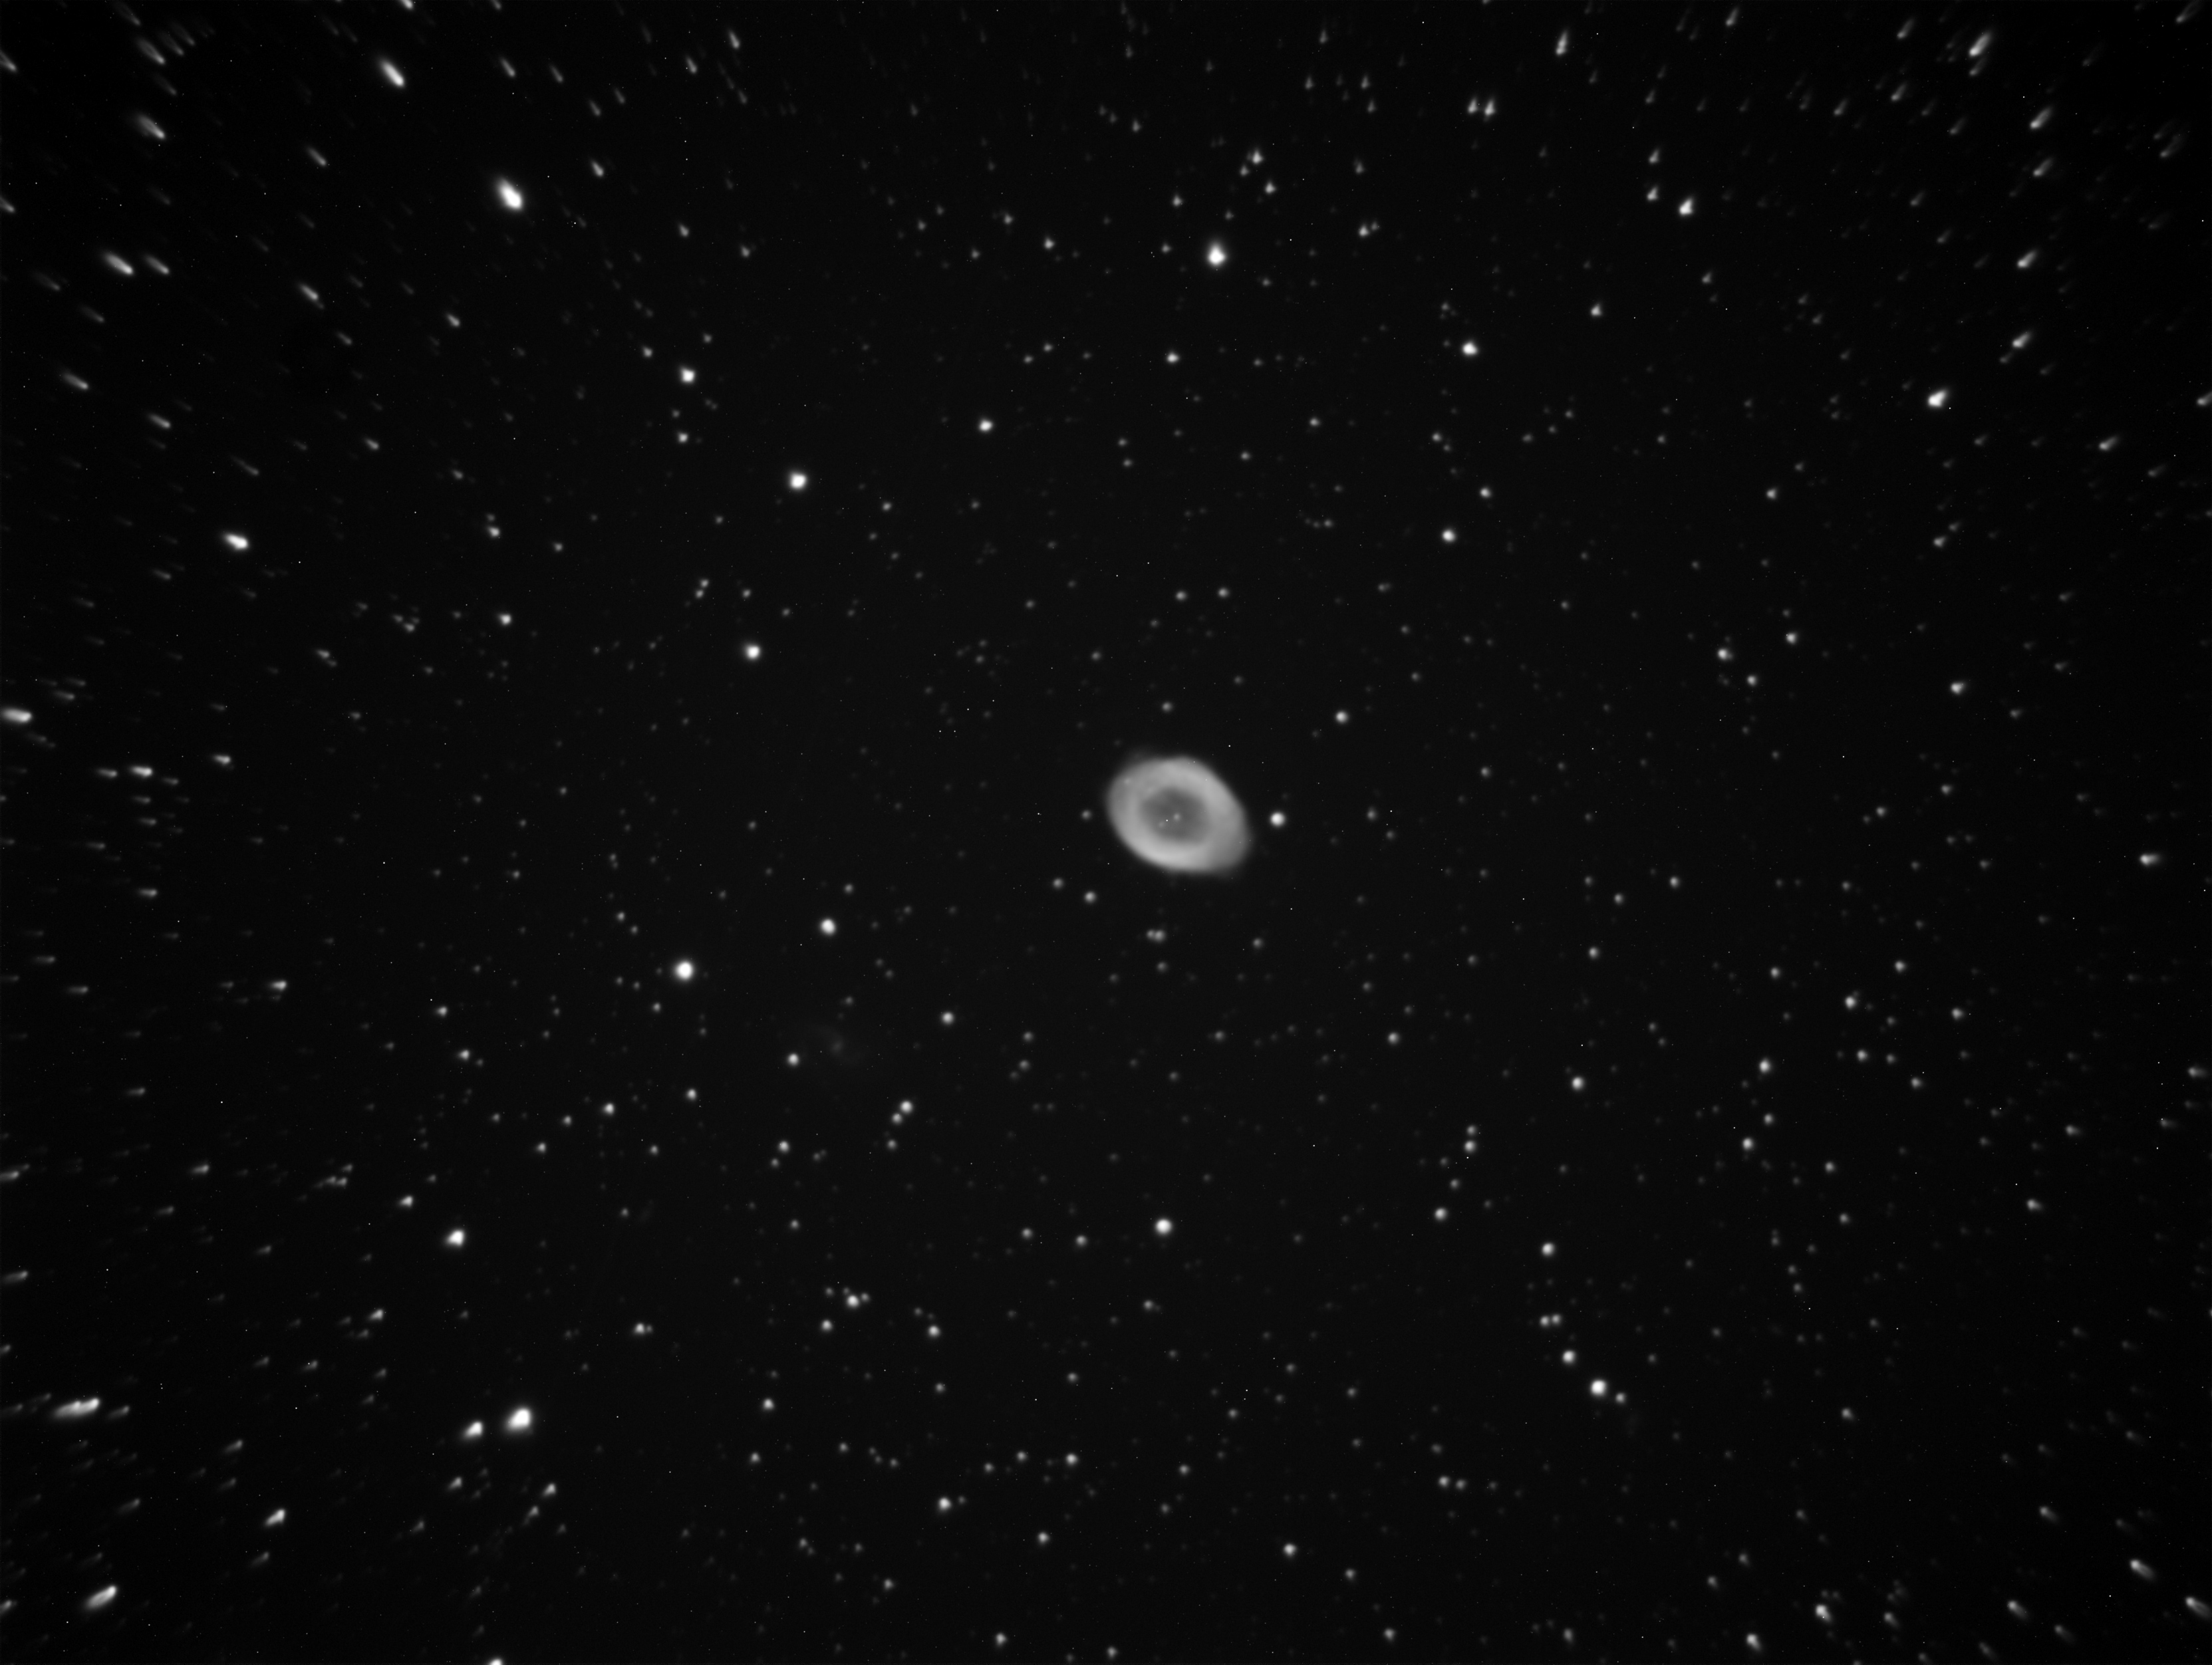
[1176, 814]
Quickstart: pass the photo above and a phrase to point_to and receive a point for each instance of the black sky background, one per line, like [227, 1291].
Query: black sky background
[585, 1078]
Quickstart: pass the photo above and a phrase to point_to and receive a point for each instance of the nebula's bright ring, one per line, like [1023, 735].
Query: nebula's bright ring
[1176, 814]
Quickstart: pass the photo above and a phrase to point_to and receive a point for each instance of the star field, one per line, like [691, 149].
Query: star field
[586, 1078]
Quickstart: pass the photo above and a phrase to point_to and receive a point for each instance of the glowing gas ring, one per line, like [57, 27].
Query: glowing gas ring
[1176, 814]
